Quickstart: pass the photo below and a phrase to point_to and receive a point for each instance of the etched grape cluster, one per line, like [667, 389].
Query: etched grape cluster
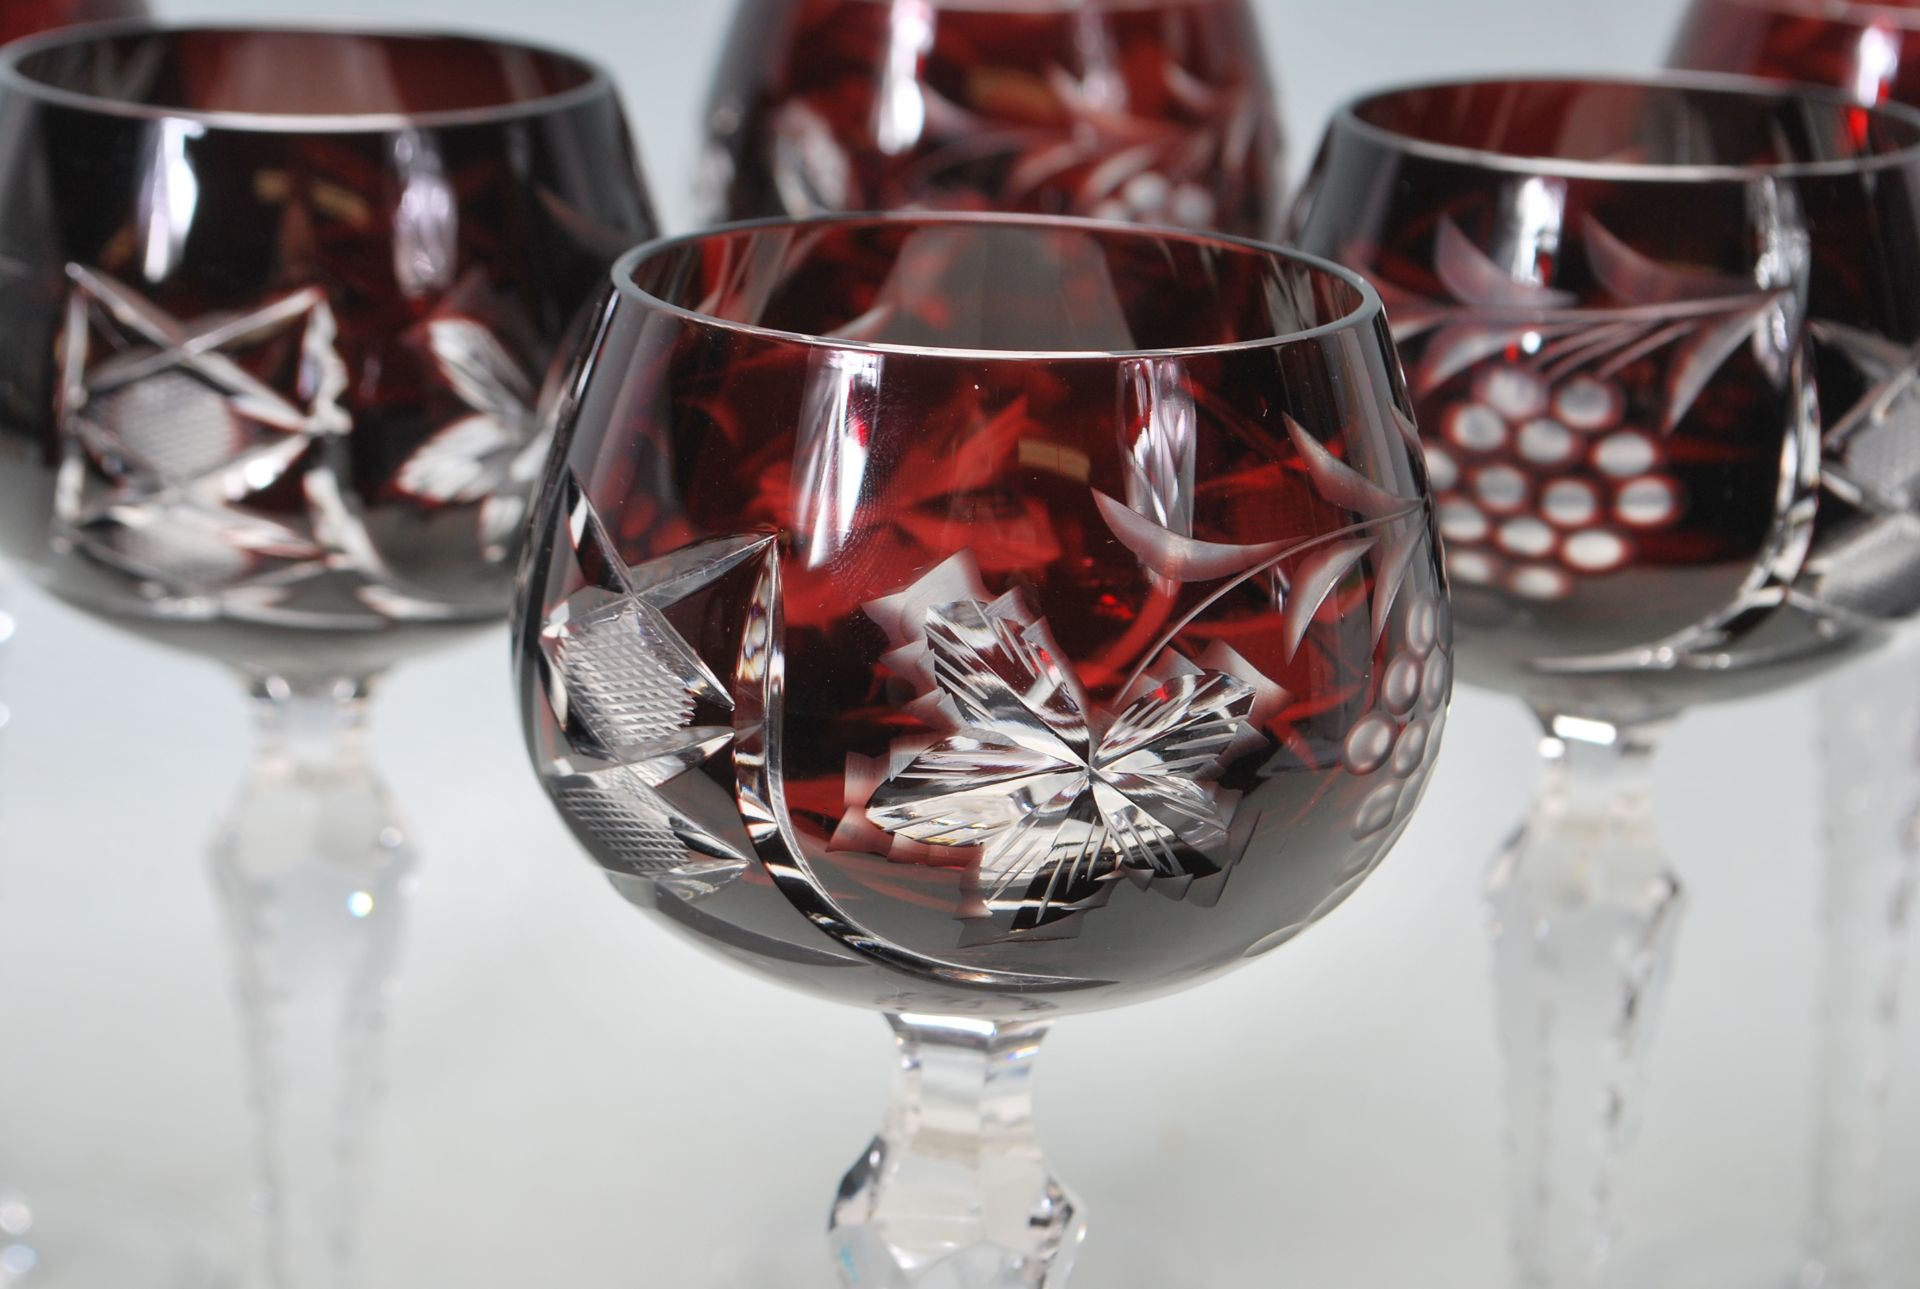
[1398, 738]
[1542, 482]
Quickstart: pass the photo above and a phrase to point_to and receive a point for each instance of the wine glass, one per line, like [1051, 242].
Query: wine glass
[281, 308]
[983, 618]
[1872, 859]
[1155, 111]
[1870, 51]
[21, 18]
[1604, 291]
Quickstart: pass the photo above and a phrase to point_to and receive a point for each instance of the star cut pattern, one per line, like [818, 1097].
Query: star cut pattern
[1054, 798]
[1871, 460]
[640, 709]
[207, 458]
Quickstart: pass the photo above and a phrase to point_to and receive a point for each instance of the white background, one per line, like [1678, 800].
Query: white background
[575, 1099]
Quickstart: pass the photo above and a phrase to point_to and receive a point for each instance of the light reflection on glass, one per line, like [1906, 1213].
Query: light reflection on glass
[169, 195]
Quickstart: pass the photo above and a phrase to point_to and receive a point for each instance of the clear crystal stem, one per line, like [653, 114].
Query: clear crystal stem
[955, 1193]
[1585, 913]
[1870, 727]
[315, 874]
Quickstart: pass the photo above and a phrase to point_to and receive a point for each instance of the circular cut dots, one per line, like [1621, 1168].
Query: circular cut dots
[1436, 684]
[1376, 813]
[1540, 482]
[1475, 427]
[1401, 688]
[1423, 626]
[1411, 750]
[1527, 537]
[1501, 488]
[1647, 502]
[1596, 551]
[1472, 568]
[1461, 521]
[1540, 582]
[1625, 454]
[1546, 442]
[1514, 392]
[1570, 503]
[1589, 404]
[1395, 740]
[1370, 744]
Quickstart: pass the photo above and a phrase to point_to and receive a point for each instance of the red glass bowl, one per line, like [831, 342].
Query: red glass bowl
[282, 314]
[20, 18]
[1158, 111]
[1869, 51]
[1606, 293]
[878, 545]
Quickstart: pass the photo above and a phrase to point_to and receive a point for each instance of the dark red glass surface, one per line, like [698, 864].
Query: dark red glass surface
[277, 340]
[1869, 51]
[906, 422]
[29, 17]
[1603, 294]
[1158, 111]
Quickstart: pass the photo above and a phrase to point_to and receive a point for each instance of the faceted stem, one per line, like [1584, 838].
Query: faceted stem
[1870, 719]
[1585, 917]
[954, 1193]
[314, 874]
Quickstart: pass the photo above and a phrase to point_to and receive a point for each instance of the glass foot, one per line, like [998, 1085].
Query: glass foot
[954, 1192]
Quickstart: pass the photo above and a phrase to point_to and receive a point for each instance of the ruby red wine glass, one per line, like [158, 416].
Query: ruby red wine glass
[19, 1252]
[281, 315]
[1155, 111]
[1869, 51]
[1611, 297]
[983, 619]
[29, 17]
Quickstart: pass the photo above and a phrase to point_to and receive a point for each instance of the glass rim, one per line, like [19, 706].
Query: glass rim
[596, 82]
[1366, 309]
[1704, 84]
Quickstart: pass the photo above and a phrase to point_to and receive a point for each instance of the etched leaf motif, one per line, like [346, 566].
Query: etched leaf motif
[1055, 797]
[1006, 676]
[462, 463]
[1705, 353]
[1473, 278]
[1707, 314]
[1635, 278]
[493, 457]
[1341, 484]
[1403, 542]
[1458, 346]
[470, 459]
[479, 368]
[1178, 558]
[1319, 573]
